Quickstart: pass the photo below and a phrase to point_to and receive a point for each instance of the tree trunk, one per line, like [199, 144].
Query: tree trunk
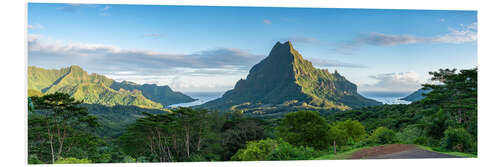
[334, 147]
[61, 141]
[187, 140]
[51, 145]
[199, 140]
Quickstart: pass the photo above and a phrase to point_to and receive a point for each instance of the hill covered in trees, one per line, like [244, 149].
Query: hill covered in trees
[98, 89]
[63, 130]
[284, 81]
[417, 95]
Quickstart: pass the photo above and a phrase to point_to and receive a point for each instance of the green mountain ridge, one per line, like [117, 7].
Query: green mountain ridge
[416, 96]
[98, 89]
[161, 94]
[283, 81]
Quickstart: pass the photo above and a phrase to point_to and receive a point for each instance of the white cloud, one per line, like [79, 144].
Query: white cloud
[266, 21]
[333, 63]
[75, 7]
[154, 35]
[394, 82]
[106, 8]
[214, 70]
[116, 56]
[33, 38]
[467, 33]
[299, 39]
[35, 26]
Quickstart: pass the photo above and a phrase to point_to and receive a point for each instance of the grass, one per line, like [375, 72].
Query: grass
[340, 155]
[460, 154]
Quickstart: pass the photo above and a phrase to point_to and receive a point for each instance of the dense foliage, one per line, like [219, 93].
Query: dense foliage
[305, 128]
[383, 135]
[63, 130]
[58, 127]
[446, 116]
[458, 139]
[272, 149]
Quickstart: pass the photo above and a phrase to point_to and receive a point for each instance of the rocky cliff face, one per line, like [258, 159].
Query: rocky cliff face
[285, 80]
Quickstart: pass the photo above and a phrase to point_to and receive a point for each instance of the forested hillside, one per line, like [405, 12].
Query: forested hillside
[64, 130]
[98, 89]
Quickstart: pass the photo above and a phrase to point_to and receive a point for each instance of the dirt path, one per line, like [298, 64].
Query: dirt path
[415, 153]
[397, 151]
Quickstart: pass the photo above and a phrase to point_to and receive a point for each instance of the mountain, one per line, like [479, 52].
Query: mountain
[160, 94]
[286, 81]
[98, 89]
[416, 96]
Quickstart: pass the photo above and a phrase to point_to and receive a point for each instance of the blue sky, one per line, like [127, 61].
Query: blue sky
[198, 48]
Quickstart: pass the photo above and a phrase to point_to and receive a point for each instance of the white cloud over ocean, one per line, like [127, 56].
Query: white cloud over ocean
[394, 82]
[466, 33]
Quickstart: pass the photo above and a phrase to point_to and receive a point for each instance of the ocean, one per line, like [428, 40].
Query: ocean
[387, 97]
[203, 97]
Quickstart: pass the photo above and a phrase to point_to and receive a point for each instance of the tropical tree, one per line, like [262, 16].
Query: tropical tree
[237, 131]
[169, 137]
[55, 121]
[456, 95]
[354, 129]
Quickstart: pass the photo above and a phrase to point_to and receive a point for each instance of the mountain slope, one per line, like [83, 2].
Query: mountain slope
[160, 94]
[91, 88]
[416, 96]
[284, 80]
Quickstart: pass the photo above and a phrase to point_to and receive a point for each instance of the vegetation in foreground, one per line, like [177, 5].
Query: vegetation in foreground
[60, 130]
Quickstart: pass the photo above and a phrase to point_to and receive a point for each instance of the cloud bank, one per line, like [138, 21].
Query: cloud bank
[394, 82]
[221, 65]
[467, 33]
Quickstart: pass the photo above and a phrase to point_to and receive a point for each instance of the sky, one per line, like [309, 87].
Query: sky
[208, 49]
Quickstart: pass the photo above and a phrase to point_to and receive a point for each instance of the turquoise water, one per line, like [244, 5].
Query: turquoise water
[390, 100]
[203, 97]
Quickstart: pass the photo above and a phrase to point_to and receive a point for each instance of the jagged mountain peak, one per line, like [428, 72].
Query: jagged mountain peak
[284, 52]
[284, 77]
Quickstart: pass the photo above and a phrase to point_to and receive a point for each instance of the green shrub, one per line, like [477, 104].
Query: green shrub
[305, 128]
[270, 149]
[338, 135]
[353, 128]
[256, 150]
[71, 160]
[411, 135]
[422, 141]
[33, 159]
[286, 151]
[128, 159]
[383, 135]
[458, 139]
